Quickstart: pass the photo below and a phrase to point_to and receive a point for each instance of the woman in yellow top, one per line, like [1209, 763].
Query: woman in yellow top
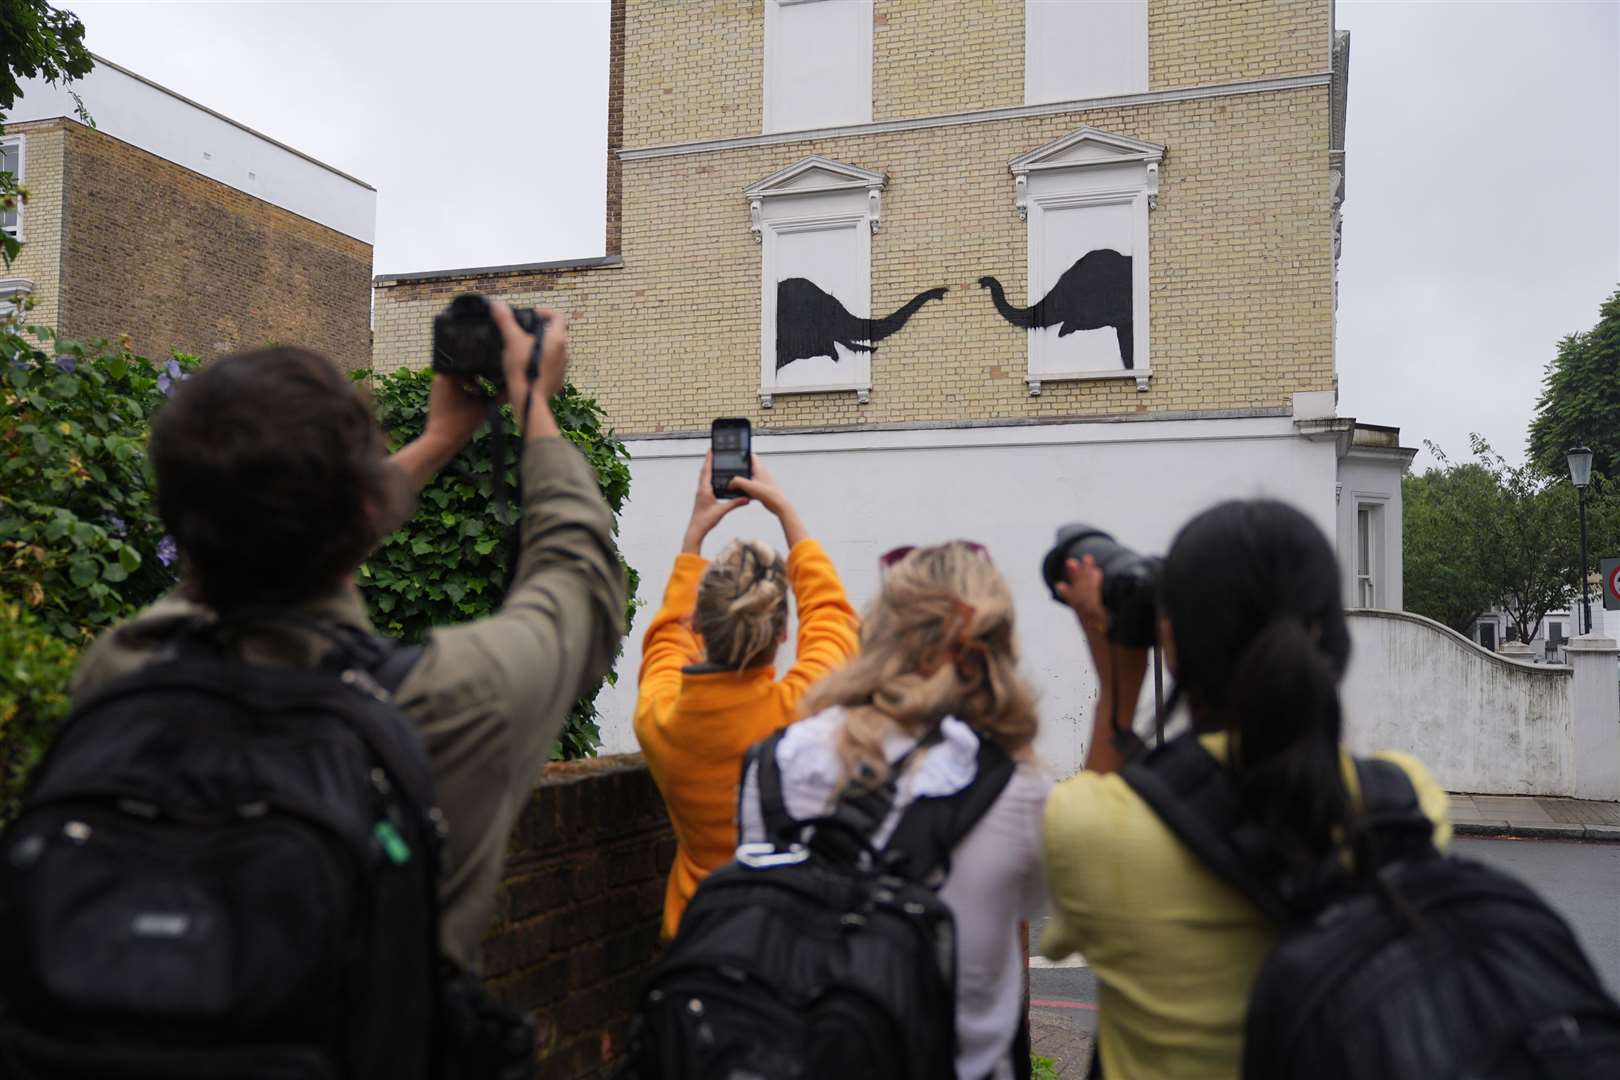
[708, 688]
[1253, 629]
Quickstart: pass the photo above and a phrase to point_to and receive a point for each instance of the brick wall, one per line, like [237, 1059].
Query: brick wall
[40, 260]
[181, 262]
[695, 69]
[580, 909]
[1240, 275]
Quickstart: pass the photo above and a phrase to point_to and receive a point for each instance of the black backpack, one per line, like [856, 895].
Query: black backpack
[223, 870]
[812, 955]
[1430, 967]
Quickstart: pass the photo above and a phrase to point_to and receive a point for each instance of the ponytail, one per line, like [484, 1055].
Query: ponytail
[1261, 643]
[1285, 723]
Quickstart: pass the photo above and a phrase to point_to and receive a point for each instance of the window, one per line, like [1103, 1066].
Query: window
[1487, 635]
[14, 293]
[1369, 521]
[1084, 50]
[818, 63]
[11, 162]
[1086, 199]
[814, 221]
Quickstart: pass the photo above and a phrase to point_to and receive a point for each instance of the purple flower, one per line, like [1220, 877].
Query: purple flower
[117, 525]
[67, 364]
[173, 368]
[166, 551]
[164, 382]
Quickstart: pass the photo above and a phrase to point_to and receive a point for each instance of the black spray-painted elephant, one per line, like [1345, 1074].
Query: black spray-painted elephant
[811, 322]
[1093, 293]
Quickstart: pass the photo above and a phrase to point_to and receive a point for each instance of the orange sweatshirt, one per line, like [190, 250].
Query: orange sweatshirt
[695, 728]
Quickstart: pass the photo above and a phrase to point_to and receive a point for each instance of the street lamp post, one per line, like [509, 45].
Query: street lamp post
[1580, 473]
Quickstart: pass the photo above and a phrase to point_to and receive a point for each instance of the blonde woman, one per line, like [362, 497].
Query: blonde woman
[938, 653]
[708, 688]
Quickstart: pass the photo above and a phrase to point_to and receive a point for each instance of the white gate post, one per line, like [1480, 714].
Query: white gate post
[1595, 707]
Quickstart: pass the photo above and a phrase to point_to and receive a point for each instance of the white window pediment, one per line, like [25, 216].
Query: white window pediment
[819, 176]
[14, 294]
[814, 221]
[1086, 199]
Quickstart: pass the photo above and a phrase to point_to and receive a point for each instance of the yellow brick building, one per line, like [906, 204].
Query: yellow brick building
[879, 149]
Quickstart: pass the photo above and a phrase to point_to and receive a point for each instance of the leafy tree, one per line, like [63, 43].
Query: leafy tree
[1446, 529]
[1580, 398]
[36, 39]
[1487, 534]
[448, 564]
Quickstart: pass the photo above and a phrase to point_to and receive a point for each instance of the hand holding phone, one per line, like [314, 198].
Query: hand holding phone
[731, 444]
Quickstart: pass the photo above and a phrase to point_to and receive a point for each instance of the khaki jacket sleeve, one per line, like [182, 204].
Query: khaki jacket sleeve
[491, 696]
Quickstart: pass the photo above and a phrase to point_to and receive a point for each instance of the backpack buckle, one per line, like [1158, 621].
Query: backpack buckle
[765, 856]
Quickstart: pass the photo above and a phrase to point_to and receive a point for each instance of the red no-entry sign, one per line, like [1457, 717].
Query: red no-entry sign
[1611, 584]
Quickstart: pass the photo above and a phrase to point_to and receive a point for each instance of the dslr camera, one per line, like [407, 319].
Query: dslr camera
[468, 344]
[1129, 585]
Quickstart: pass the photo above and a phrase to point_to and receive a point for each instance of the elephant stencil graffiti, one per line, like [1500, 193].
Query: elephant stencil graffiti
[1093, 293]
[811, 322]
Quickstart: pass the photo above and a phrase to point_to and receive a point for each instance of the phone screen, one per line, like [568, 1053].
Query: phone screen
[731, 441]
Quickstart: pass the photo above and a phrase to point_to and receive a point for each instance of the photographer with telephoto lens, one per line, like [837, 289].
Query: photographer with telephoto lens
[1246, 608]
[337, 805]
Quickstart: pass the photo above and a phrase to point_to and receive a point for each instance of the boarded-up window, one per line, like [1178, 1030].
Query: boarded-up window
[818, 63]
[1094, 48]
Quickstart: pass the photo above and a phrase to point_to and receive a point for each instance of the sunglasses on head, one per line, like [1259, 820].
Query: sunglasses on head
[889, 558]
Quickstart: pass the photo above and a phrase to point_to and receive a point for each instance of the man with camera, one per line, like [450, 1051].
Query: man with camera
[254, 843]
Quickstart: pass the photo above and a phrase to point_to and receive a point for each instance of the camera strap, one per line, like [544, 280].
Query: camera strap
[497, 454]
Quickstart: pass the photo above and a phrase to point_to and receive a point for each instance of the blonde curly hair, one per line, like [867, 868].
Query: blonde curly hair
[742, 605]
[938, 641]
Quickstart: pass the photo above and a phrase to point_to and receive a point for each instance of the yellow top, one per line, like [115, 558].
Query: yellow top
[1175, 950]
[695, 727]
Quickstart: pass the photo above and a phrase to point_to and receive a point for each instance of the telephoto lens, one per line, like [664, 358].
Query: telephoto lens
[1129, 585]
[468, 344]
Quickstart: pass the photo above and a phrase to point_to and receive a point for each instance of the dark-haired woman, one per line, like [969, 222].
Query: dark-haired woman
[1257, 648]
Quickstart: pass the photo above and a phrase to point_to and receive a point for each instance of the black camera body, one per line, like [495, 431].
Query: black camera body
[1129, 586]
[468, 345]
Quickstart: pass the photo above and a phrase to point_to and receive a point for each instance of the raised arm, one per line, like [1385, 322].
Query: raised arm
[829, 629]
[1120, 670]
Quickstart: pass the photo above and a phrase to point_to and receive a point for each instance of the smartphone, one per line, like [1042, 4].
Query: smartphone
[732, 440]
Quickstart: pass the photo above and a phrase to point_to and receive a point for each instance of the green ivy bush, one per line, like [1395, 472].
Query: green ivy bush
[81, 545]
[80, 540]
[35, 668]
[448, 564]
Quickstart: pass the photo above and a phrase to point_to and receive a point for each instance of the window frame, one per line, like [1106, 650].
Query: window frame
[16, 232]
[1139, 84]
[1369, 582]
[813, 194]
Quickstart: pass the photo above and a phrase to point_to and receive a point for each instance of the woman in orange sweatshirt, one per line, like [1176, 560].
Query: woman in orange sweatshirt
[708, 688]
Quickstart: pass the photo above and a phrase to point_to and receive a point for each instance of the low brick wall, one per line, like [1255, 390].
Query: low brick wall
[580, 907]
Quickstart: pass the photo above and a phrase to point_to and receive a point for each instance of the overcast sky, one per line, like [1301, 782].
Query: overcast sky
[1483, 160]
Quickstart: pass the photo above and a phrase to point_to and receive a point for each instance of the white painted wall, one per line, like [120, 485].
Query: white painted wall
[1481, 723]
[1075, 49]
[1374, 480]
[143, 114]
[818, 63]
[1007, 487]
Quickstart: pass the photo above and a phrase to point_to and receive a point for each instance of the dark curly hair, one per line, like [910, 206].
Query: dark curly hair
[271, 476]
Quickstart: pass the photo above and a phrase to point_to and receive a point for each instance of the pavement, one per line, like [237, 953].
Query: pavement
[1535, 817]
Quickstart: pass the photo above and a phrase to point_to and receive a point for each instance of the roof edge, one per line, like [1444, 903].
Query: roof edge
[216, 114]
[599, 262]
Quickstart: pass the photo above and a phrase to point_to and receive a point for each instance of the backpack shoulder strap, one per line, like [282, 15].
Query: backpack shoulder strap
[1189, 791]
[1392, 818]
[845, 834]
[761, 757]
[931, 828]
